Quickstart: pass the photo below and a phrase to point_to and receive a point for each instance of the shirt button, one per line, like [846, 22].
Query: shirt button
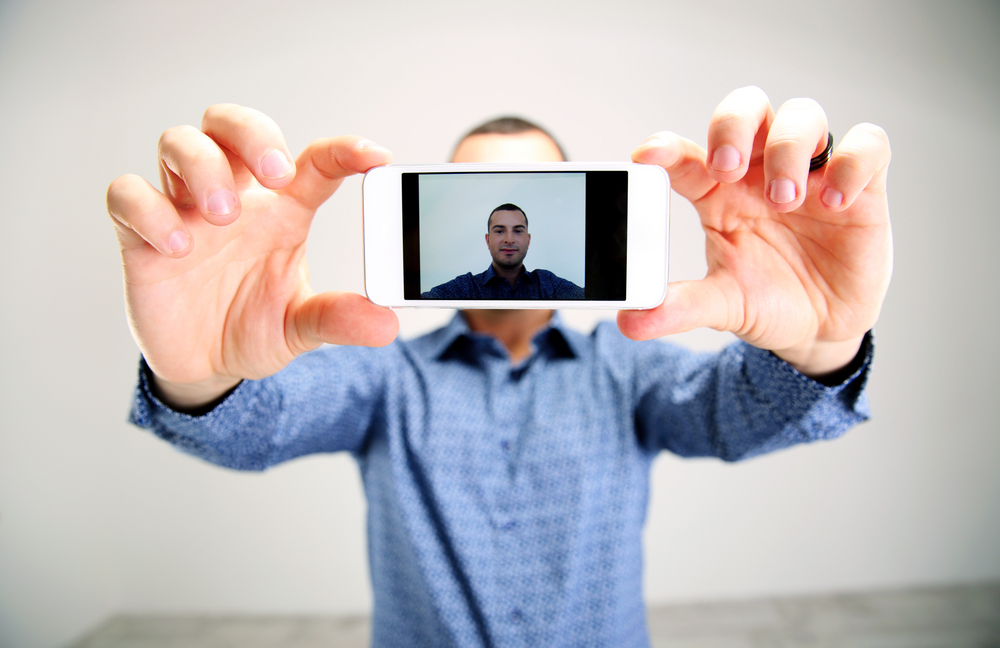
[505, 445]
[508, 525]
[516, 616]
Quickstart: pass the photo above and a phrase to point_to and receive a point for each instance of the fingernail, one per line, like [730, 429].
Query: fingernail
[726, 158]
[782, 191]
[652, 140]
[178, 241]
[275, 165]
[368, 144]
[221, 202]
[832, 198]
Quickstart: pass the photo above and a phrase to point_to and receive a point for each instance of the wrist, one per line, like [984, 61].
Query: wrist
[192, 398]
[822, 359]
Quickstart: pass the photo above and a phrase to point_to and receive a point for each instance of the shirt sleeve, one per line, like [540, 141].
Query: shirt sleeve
[323, 401]
[742, 402]
[566, 289]
[461, 287]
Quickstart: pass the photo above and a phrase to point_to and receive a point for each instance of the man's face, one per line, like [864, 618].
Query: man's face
[508, 239]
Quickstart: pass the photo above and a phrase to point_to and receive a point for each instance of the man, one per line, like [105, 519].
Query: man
[505, 457]
[507, 239]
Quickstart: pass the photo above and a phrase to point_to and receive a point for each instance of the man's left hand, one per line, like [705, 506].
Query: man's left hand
[798, 262]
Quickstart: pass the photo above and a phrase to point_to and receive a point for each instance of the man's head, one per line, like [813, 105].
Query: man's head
[507, 236]
[508, 139]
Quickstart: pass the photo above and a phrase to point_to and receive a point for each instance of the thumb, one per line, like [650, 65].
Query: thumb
[341, 318]
[710, 302]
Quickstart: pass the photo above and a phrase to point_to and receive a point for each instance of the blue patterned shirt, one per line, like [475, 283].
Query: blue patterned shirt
[537, 284]
[506, 503]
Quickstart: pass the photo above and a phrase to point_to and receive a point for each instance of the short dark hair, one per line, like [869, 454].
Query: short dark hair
[506, 207]
[509, 125]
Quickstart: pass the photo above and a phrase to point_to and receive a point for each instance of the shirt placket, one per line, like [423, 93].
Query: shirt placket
[513, 409]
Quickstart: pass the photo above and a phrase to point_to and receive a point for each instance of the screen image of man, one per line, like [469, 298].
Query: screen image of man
[507, 238]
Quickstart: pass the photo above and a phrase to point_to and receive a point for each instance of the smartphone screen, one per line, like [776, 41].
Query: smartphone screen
[529, 235]
[557, 235]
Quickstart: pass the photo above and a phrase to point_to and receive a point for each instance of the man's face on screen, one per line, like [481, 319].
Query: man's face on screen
[508, 238]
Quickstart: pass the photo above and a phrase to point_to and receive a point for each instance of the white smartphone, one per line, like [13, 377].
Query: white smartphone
[535, 235]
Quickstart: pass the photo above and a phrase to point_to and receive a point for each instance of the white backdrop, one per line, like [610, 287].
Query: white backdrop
[454, 211]
[98, 518]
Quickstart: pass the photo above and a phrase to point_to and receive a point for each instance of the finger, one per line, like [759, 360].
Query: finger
[326, 162]
[737, 131]
[712, 302]
[195, 172]
[860, 163]
[255, 139]
[341, 318]
[142, 215]
[682, 159]
[798, 133]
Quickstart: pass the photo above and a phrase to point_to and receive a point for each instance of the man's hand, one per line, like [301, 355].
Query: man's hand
[216, 284]
[798, 262]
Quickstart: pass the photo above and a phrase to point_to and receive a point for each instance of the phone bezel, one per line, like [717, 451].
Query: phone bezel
[647, 239]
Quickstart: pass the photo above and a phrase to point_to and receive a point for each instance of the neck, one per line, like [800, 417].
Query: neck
[514, 328]
[510, 274]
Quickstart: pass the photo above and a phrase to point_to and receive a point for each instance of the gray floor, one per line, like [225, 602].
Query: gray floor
[966, 616]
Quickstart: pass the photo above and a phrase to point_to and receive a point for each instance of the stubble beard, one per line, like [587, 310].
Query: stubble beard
[512, 264]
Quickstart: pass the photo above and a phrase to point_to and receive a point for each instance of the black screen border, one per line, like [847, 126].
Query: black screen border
[606, 238]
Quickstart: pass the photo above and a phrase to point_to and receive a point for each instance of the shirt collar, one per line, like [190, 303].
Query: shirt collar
[556, 337]
[485, 277]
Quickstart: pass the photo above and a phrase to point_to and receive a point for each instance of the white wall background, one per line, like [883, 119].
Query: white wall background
[454, 211]
[98, 518]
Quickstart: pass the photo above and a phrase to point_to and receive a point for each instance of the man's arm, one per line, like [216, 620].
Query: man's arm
[566, 289]
[461, 287]
[552, 286]
[798, 262]
[740, 402]
[323, 401]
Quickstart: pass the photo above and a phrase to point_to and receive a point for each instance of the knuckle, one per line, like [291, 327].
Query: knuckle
[174, 137]
[744, 101]
[728, 118]
[803, 111]
[204, 158]
[868, 140]
[873, 129]
[116, 187]
[804, 104]
[783, 144]
[752, 92]
[214, 113]
[877, 133]
[121, 187]
[853, 162]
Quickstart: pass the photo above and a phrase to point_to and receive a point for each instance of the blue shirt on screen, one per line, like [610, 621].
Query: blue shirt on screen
[537, 284]
[506, 502]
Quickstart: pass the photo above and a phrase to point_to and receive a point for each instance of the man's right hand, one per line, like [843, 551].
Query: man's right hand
[216, 283]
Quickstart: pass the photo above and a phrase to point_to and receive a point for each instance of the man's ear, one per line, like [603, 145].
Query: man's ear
[487, 237]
